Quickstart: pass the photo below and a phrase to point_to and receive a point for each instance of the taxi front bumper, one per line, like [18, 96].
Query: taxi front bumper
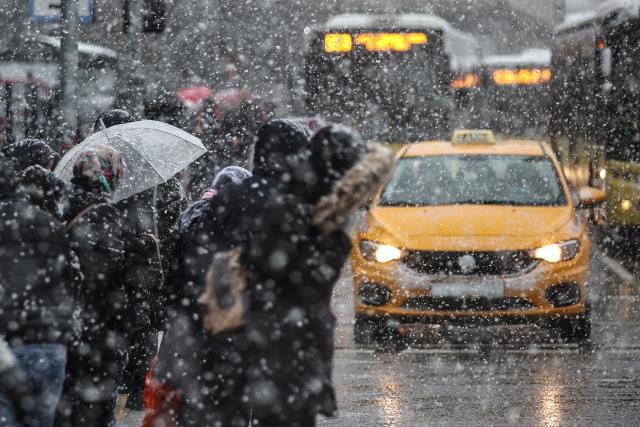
[518, 298]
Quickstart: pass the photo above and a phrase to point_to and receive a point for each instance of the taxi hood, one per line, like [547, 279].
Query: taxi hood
[407, 225]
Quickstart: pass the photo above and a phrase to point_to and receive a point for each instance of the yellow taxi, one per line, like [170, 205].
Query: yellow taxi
[475, 231]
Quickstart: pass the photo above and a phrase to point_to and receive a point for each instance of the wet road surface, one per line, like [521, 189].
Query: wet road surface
[501, 377]
[493, 383]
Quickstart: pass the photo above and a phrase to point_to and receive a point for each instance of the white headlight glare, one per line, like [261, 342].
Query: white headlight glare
[386, 253]
[372, 251]
[556, 252]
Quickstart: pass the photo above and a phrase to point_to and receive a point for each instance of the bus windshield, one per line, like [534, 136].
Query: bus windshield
[391, 82]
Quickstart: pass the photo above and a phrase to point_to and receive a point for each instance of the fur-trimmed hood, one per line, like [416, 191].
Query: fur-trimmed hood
[358, 184]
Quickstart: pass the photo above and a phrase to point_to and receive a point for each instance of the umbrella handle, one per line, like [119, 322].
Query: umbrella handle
[154, 210]
[104, 129]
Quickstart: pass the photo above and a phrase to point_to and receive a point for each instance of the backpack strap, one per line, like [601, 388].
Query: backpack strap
[69, 225]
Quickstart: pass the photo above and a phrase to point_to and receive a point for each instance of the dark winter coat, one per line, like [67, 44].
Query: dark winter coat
[230, 174]
[187, 351]
[110, 304]
[294, 257]
[36, 295]
[279, 367]
[151, 273]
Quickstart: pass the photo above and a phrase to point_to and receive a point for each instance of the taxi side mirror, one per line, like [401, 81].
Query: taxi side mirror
[590, 197]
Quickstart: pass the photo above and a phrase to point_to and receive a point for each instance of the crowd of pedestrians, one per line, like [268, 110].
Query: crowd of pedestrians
[237, 283]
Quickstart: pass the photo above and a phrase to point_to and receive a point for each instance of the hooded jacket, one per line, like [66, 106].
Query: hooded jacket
[35, 277]
[228, 175]
[294, 258]
[288, 223]
[187, 351]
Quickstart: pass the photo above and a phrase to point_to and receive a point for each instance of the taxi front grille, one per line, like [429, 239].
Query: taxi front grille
[469, 263]
[467, 304]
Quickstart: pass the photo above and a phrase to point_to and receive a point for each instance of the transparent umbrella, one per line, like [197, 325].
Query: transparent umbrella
[154, 152]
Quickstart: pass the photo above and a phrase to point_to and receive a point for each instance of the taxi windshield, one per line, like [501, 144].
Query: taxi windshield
[474, 179]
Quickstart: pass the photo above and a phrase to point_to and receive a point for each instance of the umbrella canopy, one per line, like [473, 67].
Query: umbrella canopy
[153, 151]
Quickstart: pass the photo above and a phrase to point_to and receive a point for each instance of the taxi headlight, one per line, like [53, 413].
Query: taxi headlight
[378, 252]
[602, 174]
[556, 252]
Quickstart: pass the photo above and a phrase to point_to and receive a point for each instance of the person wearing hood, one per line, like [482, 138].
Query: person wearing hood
[293, 257]
[187, 351]
[36, 301]
[42, 188]
[288, 220]
[109, 306]
[228, 175]
[34, 160]
[29, 152]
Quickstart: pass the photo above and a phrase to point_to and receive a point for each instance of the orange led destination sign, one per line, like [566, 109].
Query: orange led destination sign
[373, 42]
[522, 77]
[467, 81]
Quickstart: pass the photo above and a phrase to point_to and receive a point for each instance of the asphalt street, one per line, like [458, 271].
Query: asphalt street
[501, 376]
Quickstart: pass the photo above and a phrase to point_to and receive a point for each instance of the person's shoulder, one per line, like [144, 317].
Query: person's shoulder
[28, 217]
[27, 212]
[104, 212]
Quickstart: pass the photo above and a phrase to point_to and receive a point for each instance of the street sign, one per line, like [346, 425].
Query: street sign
[51, 10]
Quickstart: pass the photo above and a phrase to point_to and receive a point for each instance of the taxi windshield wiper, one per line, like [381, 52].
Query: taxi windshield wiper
[504, 202]
[399, 203]
[484, 202]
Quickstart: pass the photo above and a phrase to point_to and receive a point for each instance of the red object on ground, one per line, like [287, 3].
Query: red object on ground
[161, 402]
[194, 94]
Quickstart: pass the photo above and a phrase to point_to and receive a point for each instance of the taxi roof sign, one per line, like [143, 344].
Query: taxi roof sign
[476, 136]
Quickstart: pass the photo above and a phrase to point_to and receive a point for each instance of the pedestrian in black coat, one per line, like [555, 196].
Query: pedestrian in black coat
[111, 308]
[187, 351]
[287, 219]
[36, 297]
[294, 256]
[152, 216]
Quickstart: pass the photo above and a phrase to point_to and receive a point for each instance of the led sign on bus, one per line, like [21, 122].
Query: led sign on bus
[467, 81]
[337, 42]
[373, 42]
[521, 77]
